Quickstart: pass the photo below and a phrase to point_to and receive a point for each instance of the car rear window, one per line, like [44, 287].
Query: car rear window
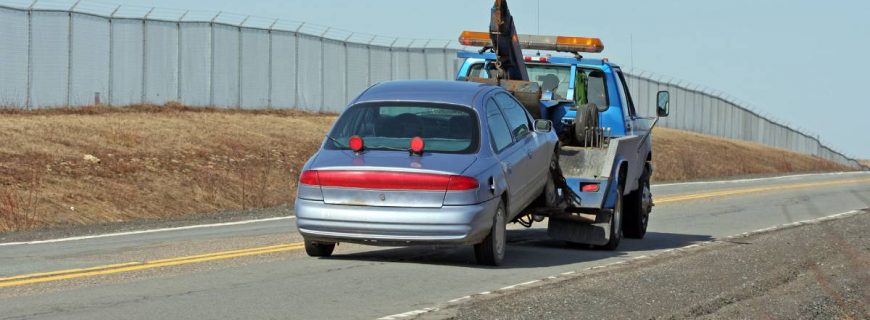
[390, 126]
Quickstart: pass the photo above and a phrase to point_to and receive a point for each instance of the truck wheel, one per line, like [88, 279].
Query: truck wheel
[490, 252]
[318, 249]
[584, 124]
[637, 208]
[615, 222]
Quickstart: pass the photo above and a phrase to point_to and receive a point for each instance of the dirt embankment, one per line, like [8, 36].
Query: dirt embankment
[681, 155]
[99, 165]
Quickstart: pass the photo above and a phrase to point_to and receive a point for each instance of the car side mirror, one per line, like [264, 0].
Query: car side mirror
[662, 100]
[542, 125]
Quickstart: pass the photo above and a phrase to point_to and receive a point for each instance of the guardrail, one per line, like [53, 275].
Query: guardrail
[63, 53]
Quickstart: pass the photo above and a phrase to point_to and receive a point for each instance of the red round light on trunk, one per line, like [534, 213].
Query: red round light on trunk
[356, 143]
[417, 145]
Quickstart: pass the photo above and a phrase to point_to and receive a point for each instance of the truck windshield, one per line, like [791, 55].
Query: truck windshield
[593, 92]
[390, 126]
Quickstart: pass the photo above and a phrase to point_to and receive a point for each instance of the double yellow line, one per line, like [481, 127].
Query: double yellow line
[32, 278]
[741, 191]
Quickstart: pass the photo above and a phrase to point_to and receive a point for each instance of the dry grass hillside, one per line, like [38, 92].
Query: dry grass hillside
[712, 157]
[98, 165]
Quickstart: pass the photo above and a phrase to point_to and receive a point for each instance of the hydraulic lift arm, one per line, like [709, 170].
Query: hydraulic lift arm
[503, 32]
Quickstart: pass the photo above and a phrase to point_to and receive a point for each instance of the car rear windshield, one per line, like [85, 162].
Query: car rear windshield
[390, 126]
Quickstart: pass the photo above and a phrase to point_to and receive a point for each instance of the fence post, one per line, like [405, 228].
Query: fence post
[392, 68]
[69, 56]
[270, 72]
[241, 52]
[211, 59]
[145, 56]
[346, 68]
[28, 102]
[322, 72]
[180, 46]
[296, 66]
[111, 89]
[369, 51]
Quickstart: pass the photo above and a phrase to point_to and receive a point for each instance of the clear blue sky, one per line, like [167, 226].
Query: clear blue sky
[806, 62]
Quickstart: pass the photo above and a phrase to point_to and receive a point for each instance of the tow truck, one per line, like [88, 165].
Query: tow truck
[602, 179]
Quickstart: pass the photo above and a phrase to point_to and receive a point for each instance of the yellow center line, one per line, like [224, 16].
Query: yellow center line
[32, 278]
[734, 192]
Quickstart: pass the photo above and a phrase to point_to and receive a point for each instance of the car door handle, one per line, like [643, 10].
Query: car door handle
[530, 153]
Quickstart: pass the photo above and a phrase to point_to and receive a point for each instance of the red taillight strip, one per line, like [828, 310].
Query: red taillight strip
[388, 180]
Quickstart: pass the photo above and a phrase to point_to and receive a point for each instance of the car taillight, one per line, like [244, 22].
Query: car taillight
[309, 177]
[589, 187]
[388, 180]
[459, 183]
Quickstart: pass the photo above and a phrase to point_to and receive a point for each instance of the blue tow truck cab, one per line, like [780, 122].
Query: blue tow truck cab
[608, 165]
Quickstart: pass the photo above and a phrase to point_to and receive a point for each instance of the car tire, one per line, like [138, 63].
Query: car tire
[638, 206]
[548, 197]
[616, 221]
[491, 251]
[586, 120]
[319, 249]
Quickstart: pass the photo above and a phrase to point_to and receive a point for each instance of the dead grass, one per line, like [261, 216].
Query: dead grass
[680, 156]
[100, 165]
[96, 165]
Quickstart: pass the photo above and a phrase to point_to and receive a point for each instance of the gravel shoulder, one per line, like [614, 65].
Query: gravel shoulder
[813, 271]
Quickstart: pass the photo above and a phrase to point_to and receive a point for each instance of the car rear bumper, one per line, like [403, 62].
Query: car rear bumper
[466, 224]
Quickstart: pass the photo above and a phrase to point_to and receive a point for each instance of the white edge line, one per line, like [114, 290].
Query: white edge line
[762, 179]
[128, 233]
[570, 274]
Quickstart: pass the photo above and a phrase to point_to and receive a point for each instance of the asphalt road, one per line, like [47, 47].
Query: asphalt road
[258, 271]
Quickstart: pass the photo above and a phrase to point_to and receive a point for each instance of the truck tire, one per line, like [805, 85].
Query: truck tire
[490, 252]
[638, 206]
[616, 221]
[318, 249]
[584, 123]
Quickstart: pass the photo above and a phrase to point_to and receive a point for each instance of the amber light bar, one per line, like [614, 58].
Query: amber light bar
[533, 42]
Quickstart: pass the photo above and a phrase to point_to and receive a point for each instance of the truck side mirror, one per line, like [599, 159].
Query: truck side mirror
[662, 100]
[542, 125]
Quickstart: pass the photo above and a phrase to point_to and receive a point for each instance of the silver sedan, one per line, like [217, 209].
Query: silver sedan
[426, 162]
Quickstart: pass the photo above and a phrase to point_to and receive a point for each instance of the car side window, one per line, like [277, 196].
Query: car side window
[515, 114]
[499, 134]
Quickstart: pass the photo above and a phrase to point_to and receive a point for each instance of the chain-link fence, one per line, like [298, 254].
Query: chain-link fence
[83, 53]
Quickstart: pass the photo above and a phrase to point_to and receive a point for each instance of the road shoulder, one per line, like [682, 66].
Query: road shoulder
[812, 270]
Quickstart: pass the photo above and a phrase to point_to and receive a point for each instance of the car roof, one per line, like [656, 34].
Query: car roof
[439, 91]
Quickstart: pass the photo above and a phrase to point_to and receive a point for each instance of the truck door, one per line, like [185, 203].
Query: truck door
[631, 119]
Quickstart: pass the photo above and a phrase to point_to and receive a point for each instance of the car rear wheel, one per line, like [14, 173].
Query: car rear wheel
[491, 251]
[319, 249]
